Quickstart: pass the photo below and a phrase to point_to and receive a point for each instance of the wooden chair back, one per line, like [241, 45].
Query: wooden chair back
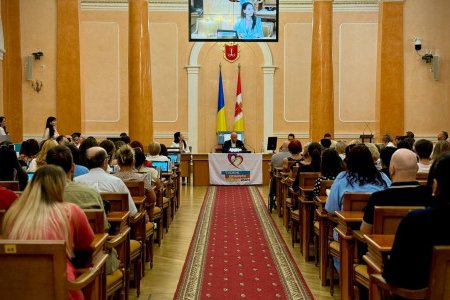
[33, 269]
[10, 185]
[118, 201]
[387, 218]
[422, 176]
[96, 218]
[355, 201]
[438, 287]
[440, 274]
[324, 186]
[308, 179]
[120, 242]
[136, 187]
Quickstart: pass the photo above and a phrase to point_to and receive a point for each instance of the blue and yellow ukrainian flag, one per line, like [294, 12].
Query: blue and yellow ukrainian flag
[221, 124]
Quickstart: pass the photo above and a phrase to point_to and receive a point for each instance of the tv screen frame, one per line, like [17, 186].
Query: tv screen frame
[216, 20]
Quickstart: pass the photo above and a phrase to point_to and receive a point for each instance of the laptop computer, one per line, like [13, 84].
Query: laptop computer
[163, 165]
[175, 158]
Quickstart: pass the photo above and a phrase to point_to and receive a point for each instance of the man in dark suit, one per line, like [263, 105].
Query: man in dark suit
[233, 143]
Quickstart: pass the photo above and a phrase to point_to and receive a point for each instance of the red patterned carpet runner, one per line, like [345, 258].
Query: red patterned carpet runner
[237, 252]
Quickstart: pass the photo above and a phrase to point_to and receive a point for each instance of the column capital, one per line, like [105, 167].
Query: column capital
[269, 69]
[192, 69]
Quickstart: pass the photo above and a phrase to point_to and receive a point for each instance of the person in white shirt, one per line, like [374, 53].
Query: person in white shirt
[180, 142]
[50, 129]
[154, 149]
[3, 126]
[423, 149]
[97, 162]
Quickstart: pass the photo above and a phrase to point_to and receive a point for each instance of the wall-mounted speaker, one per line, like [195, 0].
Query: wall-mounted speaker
[29, 67]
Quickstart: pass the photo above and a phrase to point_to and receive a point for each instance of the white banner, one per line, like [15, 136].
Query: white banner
[235, 168]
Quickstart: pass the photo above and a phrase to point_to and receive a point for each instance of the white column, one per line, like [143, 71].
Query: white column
[192, 72]
[269, 73]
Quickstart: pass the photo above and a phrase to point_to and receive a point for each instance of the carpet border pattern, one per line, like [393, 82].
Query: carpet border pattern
[294, 284]
[189, 285]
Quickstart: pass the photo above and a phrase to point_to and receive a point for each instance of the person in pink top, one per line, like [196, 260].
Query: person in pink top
[7, 197]
[42, 214]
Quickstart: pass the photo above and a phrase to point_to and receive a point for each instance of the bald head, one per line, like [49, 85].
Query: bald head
[284, 146]
[96, 158]
[234, 137]
[403, 165]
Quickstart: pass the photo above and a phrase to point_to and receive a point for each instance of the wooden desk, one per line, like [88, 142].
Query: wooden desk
[201, 168]
[379, 245]
[118, 220]
[306, 209]
[347, 221]
[185, 165]
[139, 201]
[322, 216]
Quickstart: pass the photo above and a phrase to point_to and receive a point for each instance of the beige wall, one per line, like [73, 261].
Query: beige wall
[104, 43]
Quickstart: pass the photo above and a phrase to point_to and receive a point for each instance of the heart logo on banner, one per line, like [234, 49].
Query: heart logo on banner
[235, 159]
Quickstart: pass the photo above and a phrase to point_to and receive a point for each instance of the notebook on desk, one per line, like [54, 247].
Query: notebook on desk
[162, 165]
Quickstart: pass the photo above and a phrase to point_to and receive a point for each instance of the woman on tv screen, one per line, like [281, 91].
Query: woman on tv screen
[249, 26]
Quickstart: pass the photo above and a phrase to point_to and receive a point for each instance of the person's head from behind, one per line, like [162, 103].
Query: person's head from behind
[125, 156]
[326, 143]
[315, 152]
[440, 178]
[285, 146]
[340, 147]
[386, 138]
[126, 139]
[139, 158]
[361, 167]
[8, 162]
[295, 147]
[327, 136]
[440, 148]
[136, 144]
[409, 134]
[61, 156]
[163, 151]
[110, 149]
[331, 163]
[48, 144]
[291, 137]
[154, 148]
[442, 136]
[423, 148]
[87, 143]
[403, 166]
[373, 151]
[97, 158]
[40, 210]
[386, 155]
[62, 140]
[29, 148]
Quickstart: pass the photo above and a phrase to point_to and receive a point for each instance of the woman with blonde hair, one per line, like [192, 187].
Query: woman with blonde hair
[440, 148]
[39, 161]
[42, 214]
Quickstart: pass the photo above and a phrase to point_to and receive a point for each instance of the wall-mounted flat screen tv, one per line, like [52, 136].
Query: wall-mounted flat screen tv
[233, 20]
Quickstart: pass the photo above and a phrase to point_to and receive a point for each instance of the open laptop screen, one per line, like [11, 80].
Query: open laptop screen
[175, 158]
[163, 165]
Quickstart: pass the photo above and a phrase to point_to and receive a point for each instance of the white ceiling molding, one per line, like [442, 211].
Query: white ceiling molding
[285, 5]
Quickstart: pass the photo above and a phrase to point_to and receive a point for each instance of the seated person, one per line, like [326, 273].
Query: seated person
[404, 191]
[331, 165]
[7, 197]
[233, 143]
[10, 169]
[249, 26]
[408, 265]
[42, 214]
[424, 148]
[180, 142]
